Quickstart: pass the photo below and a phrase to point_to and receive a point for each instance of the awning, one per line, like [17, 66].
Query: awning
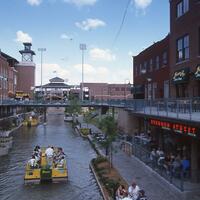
[181, 76]
[197, 73]
[138, 89]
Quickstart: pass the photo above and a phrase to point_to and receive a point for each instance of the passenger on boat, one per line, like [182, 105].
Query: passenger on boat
[37, 158]
[37, 150]
[32, 162]
[49, 154]
[61, 162]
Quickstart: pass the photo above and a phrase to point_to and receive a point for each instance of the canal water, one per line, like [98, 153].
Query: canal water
[81, 184]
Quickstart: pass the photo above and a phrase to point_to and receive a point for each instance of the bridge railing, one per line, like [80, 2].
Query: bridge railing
[187, 108]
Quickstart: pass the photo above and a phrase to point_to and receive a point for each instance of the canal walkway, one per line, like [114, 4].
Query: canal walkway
[132, 168]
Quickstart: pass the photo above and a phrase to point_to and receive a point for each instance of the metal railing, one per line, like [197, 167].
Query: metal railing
[183, 180]
[188, 108]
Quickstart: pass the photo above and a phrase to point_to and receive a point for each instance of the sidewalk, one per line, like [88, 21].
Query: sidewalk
[133, 169]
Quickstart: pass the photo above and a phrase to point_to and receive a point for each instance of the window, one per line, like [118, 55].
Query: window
[136, 71]
[182, 48]
[157, 62]
[140, 68]
[182, 7]
[199, 41]
[145, 66]
[151, 65]
[164, 61]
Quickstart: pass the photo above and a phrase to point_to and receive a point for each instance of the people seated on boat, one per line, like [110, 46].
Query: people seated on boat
[32, 162]
[61, 162]
[37, 150]
[37, 157]
[120, 193]
[49, 152]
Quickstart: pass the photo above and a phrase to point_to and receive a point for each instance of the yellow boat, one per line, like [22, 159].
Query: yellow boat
[46, 172]
[31, 122]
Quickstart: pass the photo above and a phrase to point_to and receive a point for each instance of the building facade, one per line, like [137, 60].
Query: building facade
[105, 91]
[185, 48]
[151, 71]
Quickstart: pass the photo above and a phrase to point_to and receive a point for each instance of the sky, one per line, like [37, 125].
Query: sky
[61, 26]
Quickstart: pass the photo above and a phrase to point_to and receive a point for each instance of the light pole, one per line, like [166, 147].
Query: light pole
[82, 48]
[125, 87]
[41, 50]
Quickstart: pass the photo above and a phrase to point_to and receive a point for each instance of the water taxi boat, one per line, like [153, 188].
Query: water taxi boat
[68, 118]
[46, 171]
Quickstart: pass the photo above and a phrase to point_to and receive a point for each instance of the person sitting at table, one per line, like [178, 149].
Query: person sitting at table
[133, 191]
[120, 193]
[142, 195]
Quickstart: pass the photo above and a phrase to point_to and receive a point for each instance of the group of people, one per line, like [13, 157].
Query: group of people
[170, 162]
[53, 156]
[35, 160]
[56, 157]
[133, 193]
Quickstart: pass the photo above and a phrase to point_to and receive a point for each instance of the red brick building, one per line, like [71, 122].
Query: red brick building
[185, 48]
[105, 91]
[151, 71]
[8, 76]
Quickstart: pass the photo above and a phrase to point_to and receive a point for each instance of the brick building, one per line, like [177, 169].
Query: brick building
[151, 71]
[105, 91]
[185, 48]
[8, 76]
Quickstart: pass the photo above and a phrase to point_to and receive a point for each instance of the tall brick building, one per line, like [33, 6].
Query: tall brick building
[185, 48]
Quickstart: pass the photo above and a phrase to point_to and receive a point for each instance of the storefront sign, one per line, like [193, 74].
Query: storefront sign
[181, 76]
[177, 127]
[197, 73]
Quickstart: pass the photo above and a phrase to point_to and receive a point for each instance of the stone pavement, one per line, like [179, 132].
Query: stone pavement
[132, 168]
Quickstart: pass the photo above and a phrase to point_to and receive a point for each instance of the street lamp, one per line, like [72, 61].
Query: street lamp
[82, 48]
[125, 87]
[41, 50]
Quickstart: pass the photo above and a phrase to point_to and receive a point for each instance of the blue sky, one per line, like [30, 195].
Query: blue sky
[61, 25]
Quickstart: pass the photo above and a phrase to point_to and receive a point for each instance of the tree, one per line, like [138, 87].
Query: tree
[74, 106]
[109, 127]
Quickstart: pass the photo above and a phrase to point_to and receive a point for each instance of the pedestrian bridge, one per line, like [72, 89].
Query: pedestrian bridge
[184, 109]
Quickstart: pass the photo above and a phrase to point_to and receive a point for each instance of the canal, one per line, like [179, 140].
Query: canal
[81, 184]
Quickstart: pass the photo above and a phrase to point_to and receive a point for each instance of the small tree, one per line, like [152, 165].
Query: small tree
[74, 106]
[109, 127]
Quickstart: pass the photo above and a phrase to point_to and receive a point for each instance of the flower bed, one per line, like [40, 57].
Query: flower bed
[108, 177]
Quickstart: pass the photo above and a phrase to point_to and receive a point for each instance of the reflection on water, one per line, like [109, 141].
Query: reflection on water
[81, 184]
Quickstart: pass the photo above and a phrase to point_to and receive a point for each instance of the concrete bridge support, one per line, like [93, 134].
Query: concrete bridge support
[127, 122]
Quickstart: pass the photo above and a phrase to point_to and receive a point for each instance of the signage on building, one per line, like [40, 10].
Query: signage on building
[197, 73]
[181, 76]
[21, 95]
[176, 127]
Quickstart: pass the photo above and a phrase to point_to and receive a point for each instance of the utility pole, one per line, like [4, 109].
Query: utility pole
[82, 48]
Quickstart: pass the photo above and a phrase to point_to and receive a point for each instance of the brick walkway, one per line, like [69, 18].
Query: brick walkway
[133, 169]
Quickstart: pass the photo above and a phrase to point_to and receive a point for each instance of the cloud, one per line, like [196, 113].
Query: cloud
[34, 2]
[66, 37]
[90, 24]
[48, 72]
[23, 37]
[142, 4]
[80, 3]
[102, 54]
[91, 73]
